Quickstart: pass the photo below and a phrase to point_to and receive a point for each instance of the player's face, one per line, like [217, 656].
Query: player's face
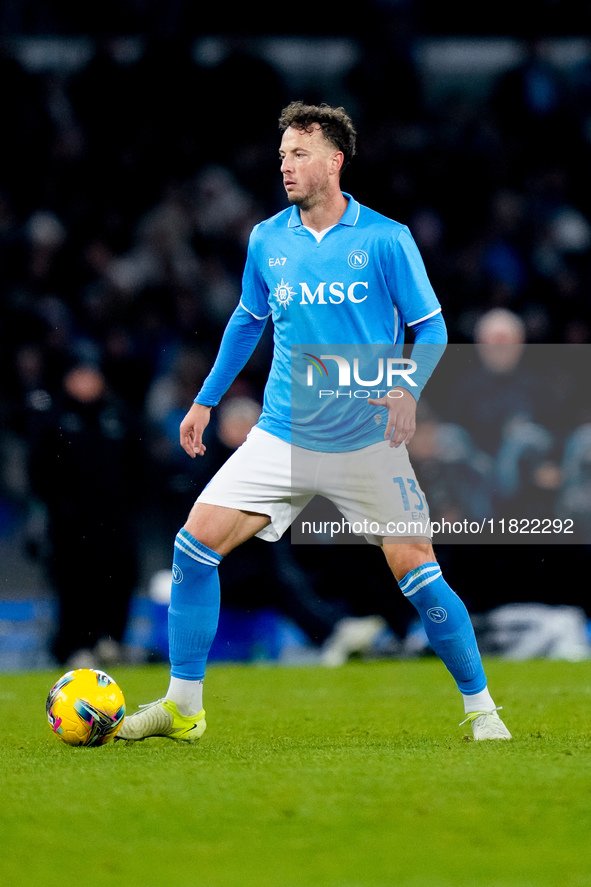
[310, 166]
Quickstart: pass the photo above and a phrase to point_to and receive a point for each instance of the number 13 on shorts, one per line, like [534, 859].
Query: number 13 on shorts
[418, 500]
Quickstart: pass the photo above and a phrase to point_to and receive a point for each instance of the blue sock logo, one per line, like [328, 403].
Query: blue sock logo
[177, 574]
[437, 614]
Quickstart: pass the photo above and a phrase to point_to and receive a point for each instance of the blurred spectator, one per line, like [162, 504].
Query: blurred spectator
[574, 501]
[457, 477]
[527, 474]
[499, 389]
[86, 450]
[175, 480]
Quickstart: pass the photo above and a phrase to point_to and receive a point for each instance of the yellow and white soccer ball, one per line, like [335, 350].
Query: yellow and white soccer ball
[85, 707]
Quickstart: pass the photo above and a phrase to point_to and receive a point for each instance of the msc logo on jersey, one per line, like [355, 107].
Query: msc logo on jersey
[334, 293]
[358, 259]
[284, 293]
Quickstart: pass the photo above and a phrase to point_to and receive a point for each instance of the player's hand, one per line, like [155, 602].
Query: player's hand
[402, 412]
[192, 428]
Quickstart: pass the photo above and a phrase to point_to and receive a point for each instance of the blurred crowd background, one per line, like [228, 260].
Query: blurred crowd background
[134, 164]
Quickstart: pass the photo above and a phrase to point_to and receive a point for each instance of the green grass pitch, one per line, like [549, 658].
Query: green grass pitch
[308, 777]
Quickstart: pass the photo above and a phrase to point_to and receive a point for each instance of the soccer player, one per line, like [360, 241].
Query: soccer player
[326, 269]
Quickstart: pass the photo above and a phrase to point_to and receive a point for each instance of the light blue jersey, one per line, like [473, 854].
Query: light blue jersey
[358, 286]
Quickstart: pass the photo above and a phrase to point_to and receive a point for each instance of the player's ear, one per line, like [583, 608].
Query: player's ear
[337, 162]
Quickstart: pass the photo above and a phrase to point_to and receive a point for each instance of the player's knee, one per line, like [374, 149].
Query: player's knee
[205, 528]
[403, 557]
[223, 529]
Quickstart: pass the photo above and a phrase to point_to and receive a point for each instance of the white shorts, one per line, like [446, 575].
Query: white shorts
[374, 488]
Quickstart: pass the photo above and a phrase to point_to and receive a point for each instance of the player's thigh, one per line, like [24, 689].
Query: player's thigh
[376, 489]
[406, 554]
[256, 486]
[221, 528]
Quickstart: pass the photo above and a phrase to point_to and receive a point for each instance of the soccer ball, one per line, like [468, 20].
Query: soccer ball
[85, 707]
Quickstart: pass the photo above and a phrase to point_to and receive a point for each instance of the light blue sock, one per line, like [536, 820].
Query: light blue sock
[447, 625]
[194, 606]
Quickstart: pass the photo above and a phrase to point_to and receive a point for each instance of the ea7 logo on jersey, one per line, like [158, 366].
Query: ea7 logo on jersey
[273, 262]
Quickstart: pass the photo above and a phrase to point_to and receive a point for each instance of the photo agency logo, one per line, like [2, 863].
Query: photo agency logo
[386, 372]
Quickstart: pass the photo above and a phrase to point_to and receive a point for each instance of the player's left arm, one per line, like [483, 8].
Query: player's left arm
[401, 401]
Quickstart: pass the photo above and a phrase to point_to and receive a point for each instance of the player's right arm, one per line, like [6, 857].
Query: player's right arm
[241, 336]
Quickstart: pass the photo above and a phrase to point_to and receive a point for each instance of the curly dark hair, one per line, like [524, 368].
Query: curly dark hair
[336, 125]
